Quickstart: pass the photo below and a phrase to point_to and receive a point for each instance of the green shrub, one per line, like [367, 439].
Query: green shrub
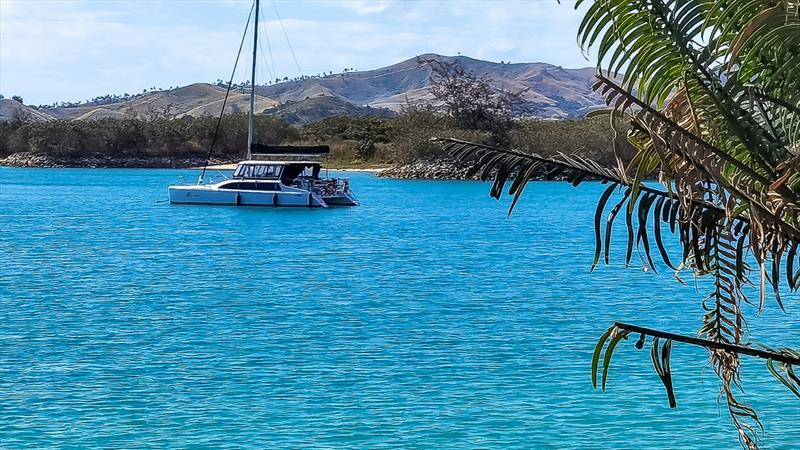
[353, 140]
[185, 137]
[592, 138]
[348, 128]
[416, 126]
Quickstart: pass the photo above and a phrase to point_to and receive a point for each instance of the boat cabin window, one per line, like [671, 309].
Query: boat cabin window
[257, 171]
[252, 186]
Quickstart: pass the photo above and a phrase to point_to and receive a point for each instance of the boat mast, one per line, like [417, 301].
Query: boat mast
[252, 89]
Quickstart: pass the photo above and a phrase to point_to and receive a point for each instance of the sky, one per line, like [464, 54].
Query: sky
[73, 50]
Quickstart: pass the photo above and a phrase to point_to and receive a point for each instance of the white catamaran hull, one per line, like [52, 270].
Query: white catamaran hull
[201, 195]
[341, 199]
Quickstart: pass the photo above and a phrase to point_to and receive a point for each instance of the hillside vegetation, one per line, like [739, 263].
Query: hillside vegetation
[11, 110]
[159, 137]
[549, 91]
[355, 141]
[546, 91]
[466, 104]
[196, 100]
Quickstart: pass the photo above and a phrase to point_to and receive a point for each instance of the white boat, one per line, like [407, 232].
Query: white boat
[260, 182]
[269, 183]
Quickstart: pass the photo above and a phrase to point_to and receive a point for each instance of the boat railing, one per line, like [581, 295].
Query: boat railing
[323, 185]
[332, 185]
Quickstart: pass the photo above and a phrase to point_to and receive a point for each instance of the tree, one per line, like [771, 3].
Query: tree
[17, 98]
[712, 91]
[472, 101]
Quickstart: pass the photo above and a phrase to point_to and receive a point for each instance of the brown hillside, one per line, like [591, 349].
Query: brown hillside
[11, 110]
[549, 92]
[197, 99]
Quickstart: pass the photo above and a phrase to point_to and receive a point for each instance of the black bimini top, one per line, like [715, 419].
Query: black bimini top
[289, 150]
[293, 170]
[286, 171]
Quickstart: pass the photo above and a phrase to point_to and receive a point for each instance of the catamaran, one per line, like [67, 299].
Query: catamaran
[261, 180]
[258, 182]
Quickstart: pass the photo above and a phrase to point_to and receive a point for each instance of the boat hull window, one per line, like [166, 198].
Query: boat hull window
[257, 171]
[252, 186]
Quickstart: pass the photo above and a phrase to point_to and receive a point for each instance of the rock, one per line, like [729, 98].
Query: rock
[28, 159]
[447, 169]
[429, 169]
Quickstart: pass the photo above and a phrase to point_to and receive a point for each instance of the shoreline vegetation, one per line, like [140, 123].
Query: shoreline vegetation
[30, 160]
[467, 108]
[398, 147]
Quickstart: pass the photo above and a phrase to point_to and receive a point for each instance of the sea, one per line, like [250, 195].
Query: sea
[424, 318]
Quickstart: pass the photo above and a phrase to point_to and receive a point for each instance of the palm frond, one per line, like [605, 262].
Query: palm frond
[781, 363]
[712, 90]
[658, 43]
[724, 322]
[690, 220]
[713, 93]
[713, 240]
[783, 371]
[696, 150]
[503, 165]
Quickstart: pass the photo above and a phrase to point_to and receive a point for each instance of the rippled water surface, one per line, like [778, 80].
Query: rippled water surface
[422, 319]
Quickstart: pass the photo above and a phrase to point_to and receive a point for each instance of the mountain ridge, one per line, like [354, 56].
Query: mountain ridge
[548, 91]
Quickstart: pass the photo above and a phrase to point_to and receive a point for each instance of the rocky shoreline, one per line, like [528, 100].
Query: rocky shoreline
[447, 169]
[428, 169]
[421, 169]
[25, 159]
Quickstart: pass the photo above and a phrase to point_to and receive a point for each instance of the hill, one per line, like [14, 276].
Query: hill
[548, 92]
[199, 99]
[313, 109]
[11, 110]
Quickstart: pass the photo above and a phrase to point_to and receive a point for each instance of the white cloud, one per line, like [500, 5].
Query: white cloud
[364, 7]
[239, 4]
[72, 50]
[79, 54]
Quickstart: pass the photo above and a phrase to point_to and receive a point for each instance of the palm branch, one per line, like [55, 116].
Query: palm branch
[712, 243]
[712, 91]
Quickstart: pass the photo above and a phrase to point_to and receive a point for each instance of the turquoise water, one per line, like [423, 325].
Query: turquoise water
[422, 319]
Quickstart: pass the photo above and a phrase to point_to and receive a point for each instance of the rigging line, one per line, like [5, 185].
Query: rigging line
[280, 21]
[264, 60]
[227, 93]
[269, 70]
[269, 49]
